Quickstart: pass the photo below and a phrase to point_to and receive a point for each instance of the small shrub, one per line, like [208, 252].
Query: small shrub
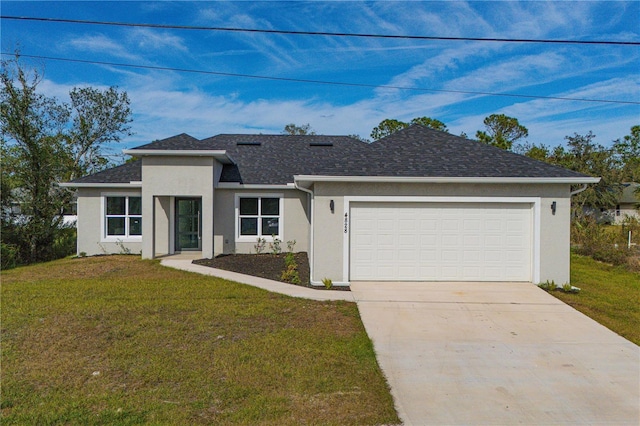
[290, 273]
[275, 246]
[9, 254]
[565, 288]
[548, 286]
[568, 288]
[327, 283]
[260, 245]
[291, 245]
[65, 242]
[123, 249]
[82, 254]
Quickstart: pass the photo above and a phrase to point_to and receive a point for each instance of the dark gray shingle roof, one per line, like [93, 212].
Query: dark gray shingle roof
[125, 173]
[182, 141]
[416, 151]
[421, 151]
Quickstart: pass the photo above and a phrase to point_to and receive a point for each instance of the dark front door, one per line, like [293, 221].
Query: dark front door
[188, 224]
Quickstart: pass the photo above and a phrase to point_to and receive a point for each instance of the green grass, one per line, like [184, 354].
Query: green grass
[609, 295]
[118, 340]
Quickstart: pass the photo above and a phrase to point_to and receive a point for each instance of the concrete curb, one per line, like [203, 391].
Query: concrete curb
[265, 284]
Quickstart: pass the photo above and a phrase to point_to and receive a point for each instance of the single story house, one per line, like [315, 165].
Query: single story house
[418, 205]
[627, 205]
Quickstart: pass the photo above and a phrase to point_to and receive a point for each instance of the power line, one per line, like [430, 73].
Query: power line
[323, 33]
[324, 82]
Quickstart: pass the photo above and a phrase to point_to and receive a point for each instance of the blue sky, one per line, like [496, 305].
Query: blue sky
[166, 103]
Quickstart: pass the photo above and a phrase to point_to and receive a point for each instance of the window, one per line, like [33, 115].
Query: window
[259, 217]
[618, 210]
[123, 216]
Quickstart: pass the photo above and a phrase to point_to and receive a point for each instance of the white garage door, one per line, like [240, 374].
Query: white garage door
[441, 242]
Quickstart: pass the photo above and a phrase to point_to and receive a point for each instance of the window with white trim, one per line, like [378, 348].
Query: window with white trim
[259, 217]
[123, 216]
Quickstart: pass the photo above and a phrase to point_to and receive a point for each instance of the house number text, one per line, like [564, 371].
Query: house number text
[346, 223]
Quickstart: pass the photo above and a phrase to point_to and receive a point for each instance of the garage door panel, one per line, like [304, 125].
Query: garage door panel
[450, 224]
[428, 225]
[468, 273]
[491, 241]
[428, 256]
[441, 241]
[472, 225]
[450, 240]
[450, 255]
[471, 256]
[493, 224]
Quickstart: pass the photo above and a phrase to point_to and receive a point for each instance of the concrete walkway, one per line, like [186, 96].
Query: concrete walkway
[183, 262]
[497, 354]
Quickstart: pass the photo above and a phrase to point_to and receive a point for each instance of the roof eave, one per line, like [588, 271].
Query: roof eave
[132, 184]
[309, 179]
[238, 185]
[220, 155]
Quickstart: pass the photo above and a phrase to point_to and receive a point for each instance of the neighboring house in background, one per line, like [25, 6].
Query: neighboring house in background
[14, 212]
[418, 205]
[627, 206]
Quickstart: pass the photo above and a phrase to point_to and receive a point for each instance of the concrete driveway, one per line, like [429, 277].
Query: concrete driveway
[498, 354]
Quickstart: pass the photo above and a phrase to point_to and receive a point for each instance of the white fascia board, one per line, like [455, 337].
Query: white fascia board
[219, 154]
[102, 185]
[436, 179]
[233, 185]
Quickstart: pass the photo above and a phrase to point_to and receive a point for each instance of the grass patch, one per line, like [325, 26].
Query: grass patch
[119, 340]
[609, 295]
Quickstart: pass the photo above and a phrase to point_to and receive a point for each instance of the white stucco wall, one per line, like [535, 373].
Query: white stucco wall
[91, 239]
[328, 251]
[295, 220]
[164, 177]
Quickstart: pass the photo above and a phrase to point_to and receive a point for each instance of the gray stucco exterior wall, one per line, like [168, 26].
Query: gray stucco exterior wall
[295, 216]
[91, 239]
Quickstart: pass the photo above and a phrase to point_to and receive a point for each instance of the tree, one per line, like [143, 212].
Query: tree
[390, 126]
[583, 155]
[387, 127]
[360, 138]
[627, 151]
[292, 129]
[99, 117]
[501, 131]
[537, 152]
[44, 142]
[431, 123]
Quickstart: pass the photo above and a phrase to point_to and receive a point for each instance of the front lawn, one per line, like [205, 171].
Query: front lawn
[609, 295]
[119, 340]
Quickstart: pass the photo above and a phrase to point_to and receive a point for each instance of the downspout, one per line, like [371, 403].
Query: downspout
[311, 203]
[579, 190]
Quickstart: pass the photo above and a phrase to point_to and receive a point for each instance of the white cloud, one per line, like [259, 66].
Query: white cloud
[150, 39]
[102, 44]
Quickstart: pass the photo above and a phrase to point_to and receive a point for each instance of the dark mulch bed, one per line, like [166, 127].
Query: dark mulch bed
[268, 266]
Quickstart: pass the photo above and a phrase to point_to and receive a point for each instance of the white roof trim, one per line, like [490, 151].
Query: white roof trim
[235, 185]
[132, 184]
[437, 179]
[219, 154]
